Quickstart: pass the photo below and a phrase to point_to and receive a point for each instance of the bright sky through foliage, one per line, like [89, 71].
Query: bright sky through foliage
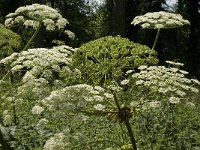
[171, 2]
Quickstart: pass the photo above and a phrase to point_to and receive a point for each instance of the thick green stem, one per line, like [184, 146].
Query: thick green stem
[128, 126]
[32, 38]
[131, 135]
[156, 39]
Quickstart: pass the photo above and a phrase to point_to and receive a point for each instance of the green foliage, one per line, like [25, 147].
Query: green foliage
[9, 41]
[109, 58]
[173, 127]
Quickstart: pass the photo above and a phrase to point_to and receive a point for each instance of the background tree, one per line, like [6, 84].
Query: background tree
[117, 17]
[193, 14]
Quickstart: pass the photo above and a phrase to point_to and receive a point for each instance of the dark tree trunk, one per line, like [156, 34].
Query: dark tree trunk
[194, 47]
[118, 18]
[131, 12]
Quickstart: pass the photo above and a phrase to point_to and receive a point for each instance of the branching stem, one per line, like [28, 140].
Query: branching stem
[131, 135]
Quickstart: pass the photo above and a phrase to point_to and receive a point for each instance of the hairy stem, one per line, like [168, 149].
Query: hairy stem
[32, 38]
[156, 39]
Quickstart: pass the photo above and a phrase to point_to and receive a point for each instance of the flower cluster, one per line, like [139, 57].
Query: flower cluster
[169, 83]
[58, 142]
[34, 15]
[77, 98]
[156, 20]
[42, 62]
[33, 88]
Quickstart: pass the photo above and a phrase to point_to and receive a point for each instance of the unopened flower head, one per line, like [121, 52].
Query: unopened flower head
[158, 20]
[34, 15]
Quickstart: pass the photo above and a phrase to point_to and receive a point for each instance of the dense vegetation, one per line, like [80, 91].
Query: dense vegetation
[71, 78]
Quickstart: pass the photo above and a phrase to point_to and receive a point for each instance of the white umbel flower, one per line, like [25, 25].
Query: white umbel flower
[42, 62]
[169, 84]
[36, 14]
[158, 20]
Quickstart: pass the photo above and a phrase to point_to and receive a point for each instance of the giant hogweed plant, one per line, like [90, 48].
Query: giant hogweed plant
[152, 90]
[139, 106]
[35, 87]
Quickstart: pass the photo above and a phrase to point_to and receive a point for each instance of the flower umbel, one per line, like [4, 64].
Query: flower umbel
[158, 20]
[35, 14]
[170, 84]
